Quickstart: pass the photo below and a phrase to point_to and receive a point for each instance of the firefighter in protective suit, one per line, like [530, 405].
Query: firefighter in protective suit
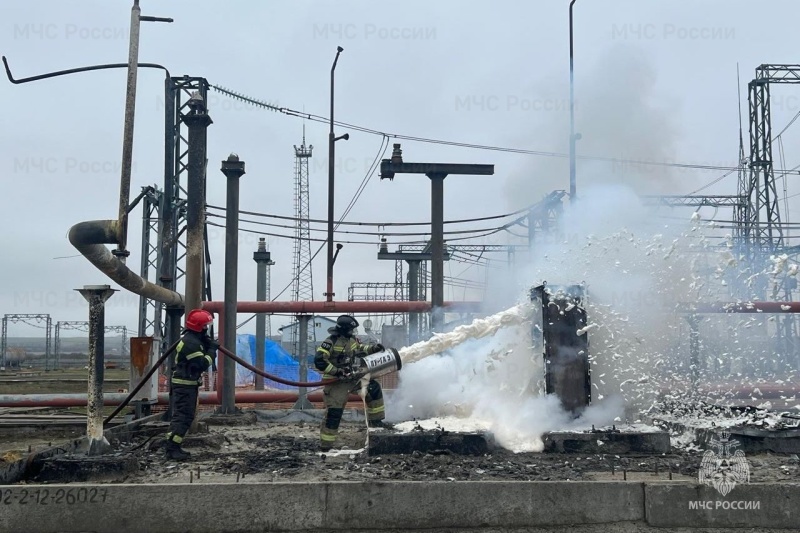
[336, 358]
[195, 353]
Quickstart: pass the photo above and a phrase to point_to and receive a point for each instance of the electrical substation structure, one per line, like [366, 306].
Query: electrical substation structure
[302, 281]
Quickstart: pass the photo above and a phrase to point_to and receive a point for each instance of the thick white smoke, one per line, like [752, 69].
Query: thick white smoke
[638, 266]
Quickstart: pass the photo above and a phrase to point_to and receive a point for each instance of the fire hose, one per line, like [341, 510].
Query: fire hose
[138, 387]
[375, 365]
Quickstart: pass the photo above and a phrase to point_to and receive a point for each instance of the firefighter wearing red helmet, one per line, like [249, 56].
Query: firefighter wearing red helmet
[195, 353]
[336, 357]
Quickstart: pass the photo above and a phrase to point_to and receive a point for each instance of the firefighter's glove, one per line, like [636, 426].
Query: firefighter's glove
[379, 348]
[211, 344]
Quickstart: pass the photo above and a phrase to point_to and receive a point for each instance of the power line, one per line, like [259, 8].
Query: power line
[318, 118]
[378, 224]
[369, 174]
[371, 243]
[372, 233]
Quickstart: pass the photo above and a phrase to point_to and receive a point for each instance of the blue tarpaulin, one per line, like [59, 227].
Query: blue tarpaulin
[277, 361]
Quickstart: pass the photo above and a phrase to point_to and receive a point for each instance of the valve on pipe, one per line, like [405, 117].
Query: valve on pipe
[380, 363]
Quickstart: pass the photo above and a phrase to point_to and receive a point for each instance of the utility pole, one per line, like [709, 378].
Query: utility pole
[331, 159]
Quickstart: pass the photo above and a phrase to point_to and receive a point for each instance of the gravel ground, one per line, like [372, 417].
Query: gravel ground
[281, 452]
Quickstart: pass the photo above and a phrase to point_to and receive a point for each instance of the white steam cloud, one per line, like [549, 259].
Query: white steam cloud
[638, 267]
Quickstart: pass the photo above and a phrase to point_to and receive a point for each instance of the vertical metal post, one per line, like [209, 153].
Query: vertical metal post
[144, 262]
[437, 251]
[127, 139]
[302, 354]
[48, 330]
[173, 333]
[197, 121]
[233, 170]
[413, 296]
[168, 221]
[262, 259]
[331, 158]
[572, 184]
[96, 295]
[58, 342]
[4, 342]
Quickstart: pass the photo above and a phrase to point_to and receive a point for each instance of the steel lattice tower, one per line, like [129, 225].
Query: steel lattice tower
[761, 229]
[303, 286]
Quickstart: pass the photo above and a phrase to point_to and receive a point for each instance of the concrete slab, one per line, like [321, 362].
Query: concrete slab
[439, 505]
[387, 442]
[606, 442]
[751, 505]
[343, 506]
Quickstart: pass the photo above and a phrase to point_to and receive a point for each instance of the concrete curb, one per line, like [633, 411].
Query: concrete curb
[753, 505]
[348, 506]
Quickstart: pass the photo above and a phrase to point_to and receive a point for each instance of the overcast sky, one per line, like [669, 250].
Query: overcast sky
[654, 80]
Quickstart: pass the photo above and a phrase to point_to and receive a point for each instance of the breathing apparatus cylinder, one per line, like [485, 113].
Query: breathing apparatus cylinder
[380, 363]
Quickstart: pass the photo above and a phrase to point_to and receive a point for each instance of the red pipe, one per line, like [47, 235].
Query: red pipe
[766, 390]
[742, 307]
[206, 398]
[339, 307]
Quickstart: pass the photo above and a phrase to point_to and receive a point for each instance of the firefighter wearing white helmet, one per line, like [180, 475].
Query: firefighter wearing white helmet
[336, 358]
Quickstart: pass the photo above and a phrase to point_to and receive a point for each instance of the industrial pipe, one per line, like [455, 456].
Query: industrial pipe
[127, 137]
[206, 398]
[197, 120]
[740, 307]
[317, 307]
[768, 390]
[765, 390]
[234, 169]
[89, 239]
[85, 236]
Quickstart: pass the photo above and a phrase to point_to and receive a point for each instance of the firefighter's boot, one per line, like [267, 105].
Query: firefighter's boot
[173, 451]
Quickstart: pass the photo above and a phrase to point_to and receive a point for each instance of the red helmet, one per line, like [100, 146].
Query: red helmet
[197, 319]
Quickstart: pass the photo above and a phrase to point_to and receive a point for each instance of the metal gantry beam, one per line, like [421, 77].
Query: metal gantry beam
[373, 291]
[83, 325]
[761, 231]
[719, 200]
[164, 212]
[25, 317]
[436, 173]
[150, 315]
[398, 319]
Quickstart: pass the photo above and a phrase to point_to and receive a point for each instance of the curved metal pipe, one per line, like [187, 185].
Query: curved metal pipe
[89, 239]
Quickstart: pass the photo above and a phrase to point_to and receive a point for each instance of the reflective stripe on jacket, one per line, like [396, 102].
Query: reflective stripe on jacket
[337, 352]
[192, 359]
